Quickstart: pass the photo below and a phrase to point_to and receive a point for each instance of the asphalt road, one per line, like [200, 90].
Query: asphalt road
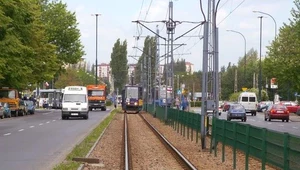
[291, 127]
[42, 140]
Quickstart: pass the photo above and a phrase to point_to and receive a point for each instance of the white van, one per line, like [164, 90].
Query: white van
[249, 101]
[75, 102]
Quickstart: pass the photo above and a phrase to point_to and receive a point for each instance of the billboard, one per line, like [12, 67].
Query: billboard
[273, 83]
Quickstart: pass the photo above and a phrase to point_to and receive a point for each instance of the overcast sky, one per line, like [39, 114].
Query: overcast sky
[117, 16]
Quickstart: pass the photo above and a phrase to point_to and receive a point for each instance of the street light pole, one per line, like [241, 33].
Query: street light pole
[245, 53]
[260, 41]
[96, 75]
[272, 19]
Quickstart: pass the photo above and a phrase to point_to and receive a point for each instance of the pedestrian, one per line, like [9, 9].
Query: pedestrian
[177, 102]
[184, 104]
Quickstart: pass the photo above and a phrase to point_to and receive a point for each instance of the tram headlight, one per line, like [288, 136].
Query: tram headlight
[135, 103]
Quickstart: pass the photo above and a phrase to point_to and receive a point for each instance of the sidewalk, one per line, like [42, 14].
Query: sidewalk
[294, 117]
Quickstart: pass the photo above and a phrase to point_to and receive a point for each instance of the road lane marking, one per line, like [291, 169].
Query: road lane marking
[31, 127]
[295, 127]
[48, 122]
[6, 134]
[53, 120]
[45, 113]
[21, 130]
[41, 124]
[281, 125]
[269, 123]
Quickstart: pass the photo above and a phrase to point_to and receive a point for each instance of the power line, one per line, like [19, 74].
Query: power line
[232, 11]
[148, 9]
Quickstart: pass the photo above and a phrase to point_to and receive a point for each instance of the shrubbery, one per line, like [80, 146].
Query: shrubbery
[108, 102]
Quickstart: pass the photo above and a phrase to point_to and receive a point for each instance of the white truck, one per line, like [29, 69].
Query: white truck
[75, 102]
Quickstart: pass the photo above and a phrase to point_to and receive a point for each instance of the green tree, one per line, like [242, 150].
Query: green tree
[62, 31]
[118, 64]
[72, 77]
[149, 42]
[282, 61]
[24, 44]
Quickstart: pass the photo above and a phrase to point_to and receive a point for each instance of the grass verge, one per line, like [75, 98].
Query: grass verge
[82, 149]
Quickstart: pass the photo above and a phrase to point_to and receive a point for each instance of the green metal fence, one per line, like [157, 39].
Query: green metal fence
[185, 123]
[278, 149]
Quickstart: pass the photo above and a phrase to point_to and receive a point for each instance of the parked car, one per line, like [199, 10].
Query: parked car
[30, 106]
[237, 111]
[23, 108]
[263, 105]
[277, 111]
[291, 106]
[4, 110]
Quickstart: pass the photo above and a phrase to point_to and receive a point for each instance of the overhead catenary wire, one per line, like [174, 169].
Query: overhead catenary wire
[231, 12]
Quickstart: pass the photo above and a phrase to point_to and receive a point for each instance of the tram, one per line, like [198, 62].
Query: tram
[132, 98]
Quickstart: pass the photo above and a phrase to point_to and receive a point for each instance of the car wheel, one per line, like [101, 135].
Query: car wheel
[287, 120]
[228, 119]
[265, 119]
[269, 119]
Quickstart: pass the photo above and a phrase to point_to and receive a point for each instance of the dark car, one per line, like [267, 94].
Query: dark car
[237, 111]
[277, 111]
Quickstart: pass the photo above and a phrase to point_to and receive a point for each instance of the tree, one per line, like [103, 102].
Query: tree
[24, 45]
[149, 42]
[62, 31]
[72, 77]
[118, 64]
[282, 61]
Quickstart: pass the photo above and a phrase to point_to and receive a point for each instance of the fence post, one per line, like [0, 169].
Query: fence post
[223, 140]
[234, 146]
[286, 164]
[263, 155]
[247, 146]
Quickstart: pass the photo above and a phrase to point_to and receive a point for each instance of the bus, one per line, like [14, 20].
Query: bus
[49, 98]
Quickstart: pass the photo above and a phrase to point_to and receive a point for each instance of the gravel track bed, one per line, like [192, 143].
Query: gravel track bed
[202, 159]
[147, 152]
[109, 149]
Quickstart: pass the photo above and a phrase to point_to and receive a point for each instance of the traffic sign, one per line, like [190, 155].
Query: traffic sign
[178, 92]
[244, 88]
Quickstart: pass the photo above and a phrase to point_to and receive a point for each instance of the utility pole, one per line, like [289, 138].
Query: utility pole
[149, 75]
[210, 77]
[235, 80]
[156, 72]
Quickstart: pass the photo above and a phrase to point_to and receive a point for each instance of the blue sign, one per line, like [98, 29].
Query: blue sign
[179, 92]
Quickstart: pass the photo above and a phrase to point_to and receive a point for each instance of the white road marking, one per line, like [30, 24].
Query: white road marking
[6, 134]
[31, 127]
[45, 113]
[21, 130]
[269, 123]
[48, 122]
[53, 120]
[41, 124]
[281, 125]
[295, 127]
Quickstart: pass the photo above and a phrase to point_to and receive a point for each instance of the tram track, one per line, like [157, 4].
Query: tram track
[177, 155]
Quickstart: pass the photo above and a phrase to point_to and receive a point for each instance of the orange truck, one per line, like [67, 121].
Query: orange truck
[10, 96]
[97, 97]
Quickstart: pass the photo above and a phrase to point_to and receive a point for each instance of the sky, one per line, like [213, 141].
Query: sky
[116, 19]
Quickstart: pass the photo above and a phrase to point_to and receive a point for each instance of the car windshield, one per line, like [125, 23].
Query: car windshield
[237, 107]
[74, 98]
[279, 107]
[95, 92]
[29, 103]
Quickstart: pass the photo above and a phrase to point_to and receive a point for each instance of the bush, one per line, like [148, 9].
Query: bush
[108, 102]
[195, 104]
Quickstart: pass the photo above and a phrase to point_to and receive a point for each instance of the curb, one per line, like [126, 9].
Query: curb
[95, 144]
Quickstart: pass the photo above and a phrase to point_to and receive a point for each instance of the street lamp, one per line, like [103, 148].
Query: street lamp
[245, 48]
[260, 40]
[272, 19]
[96, 76]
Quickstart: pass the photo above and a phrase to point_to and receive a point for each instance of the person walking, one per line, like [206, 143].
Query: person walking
[184, 103]
[177, 102]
